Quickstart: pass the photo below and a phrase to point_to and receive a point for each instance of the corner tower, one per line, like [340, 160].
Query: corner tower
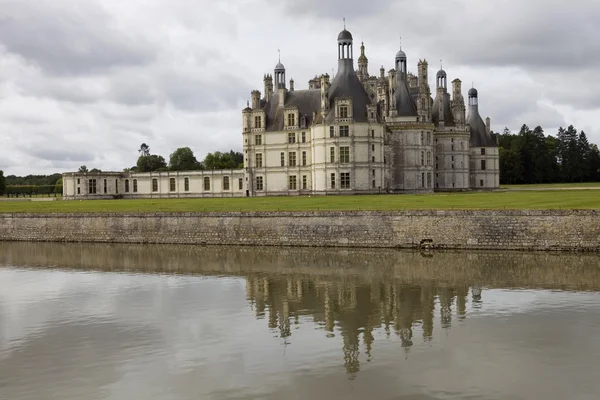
[484, 154]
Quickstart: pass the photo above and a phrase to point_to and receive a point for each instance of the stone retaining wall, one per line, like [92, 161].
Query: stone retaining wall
[495, 229]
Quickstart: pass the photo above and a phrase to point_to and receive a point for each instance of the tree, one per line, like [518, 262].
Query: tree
[183, 159]
[2, 183]
[218, 160]
[58, 187]
[83, 168]
[95, 170]
[151, 163]
[144, 150]
[593, 170]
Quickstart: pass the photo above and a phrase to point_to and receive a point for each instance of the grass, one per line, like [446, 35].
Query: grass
[553, 185]
[563, 199]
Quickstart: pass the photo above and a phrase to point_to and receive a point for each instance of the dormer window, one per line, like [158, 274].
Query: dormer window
[291, 119]
[257, 122]
[343, 112]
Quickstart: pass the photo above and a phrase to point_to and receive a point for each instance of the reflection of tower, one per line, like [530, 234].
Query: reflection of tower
[476, 294]
[446, 296]
[428, 304]
[461, 302]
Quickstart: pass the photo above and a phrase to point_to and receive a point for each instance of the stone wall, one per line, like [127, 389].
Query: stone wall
[499, 229]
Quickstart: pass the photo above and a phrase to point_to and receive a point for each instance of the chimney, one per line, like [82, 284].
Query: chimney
[291, 85]
[324, 93]
[488, 125]
[281, 97]
[456, 89]
[255, 99]
[268, 87]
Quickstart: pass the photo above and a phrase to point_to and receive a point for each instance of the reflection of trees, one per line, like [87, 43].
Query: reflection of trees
[355, 309]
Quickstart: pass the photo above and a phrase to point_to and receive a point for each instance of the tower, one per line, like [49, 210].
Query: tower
[363, 64]
[268, 81]
[279, 74]
[424, 103]
[458, 103]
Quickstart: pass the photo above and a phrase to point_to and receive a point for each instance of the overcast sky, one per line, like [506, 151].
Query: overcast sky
[87, 81]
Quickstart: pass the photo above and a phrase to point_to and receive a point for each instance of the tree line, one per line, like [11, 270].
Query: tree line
[531, 157]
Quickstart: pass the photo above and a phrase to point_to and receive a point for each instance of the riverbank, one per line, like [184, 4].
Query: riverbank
[562, 230]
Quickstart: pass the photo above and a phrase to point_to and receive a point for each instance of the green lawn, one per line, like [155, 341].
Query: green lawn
[553, 185]
[563, 199]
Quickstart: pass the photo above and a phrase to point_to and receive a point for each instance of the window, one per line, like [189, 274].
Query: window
[258, 140]
[117, 186]
[155, 185]
[292, 182]
[105, 186]
[428, 137]
[422, 158]
[372, 115]
[292, 137]
[333, 180]
[429, 179]
[304, 182]
[452, 166]
[78, 181]
[373, 183]
[331, 131]
[384, 160]
[291, 119]
[78, 190]
[343, 112]
[422, 179]
[225, 183]
[332, 154]
[92, 186]
[452, 140]
[344, 131]
[372, 147]
[429, 158]
[373, 172]
[373, 159]
[259, 183]
[292, 159]
[259, 160]
[483, 165]
[283, 159]
[422, 142]
[345, 180]
[186, 184]
[304, 159]
[373, 133]
[240, 184]
[135, 186]
[483, 152]
[481, 182]
[345, 154]
[126, 185]
[206, 183]
[452, 147]
[303, 137]
[172, 184]
[462, 145]
[257, 122]
[452, 158]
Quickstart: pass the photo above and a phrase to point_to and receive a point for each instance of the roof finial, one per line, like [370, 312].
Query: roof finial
[400, 42]
[248, 103]
[279, 51]
[441, 64]
[344, 23]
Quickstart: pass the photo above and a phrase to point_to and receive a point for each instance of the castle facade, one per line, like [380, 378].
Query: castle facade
[354, 134]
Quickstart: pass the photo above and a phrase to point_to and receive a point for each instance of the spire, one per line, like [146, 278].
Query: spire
[344, 23]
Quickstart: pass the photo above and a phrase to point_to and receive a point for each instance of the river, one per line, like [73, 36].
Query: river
[82, 321]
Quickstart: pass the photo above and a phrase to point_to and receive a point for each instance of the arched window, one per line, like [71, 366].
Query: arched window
[172, 185]
[186, 184]
[126, 185]
[154, 185]
[135, 186]
[206, 183]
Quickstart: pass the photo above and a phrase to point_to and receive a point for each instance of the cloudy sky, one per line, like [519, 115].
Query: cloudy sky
[87, 81]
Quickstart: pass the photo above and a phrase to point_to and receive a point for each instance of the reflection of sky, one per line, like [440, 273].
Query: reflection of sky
[118, 336]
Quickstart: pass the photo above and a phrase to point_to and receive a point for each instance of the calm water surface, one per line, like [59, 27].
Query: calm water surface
[169, 322]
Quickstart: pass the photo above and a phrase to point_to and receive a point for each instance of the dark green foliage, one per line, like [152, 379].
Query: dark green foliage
[2, 183]
[530, 157]
[33, 190]
[83, 168]
[218, 160]
[183, 159]
[151, 163]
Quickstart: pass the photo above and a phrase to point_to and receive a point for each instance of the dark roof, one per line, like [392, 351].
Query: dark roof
[279, 66]
[479, 135]
[444, 98]
[307, 101]
[346, 84]
[400, 54]
[472, 92]
[441, 72]
[404, 101]
[345, 35]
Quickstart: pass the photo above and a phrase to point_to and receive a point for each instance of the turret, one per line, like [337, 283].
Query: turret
[279, 76]
[345, 52]
[480, 132]
[424, 103]
[324, 94]
[458, 102]
[255, 99]
[363, 64]
[268, 81]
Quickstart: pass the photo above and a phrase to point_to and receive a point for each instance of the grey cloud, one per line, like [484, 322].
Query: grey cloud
[336, 9]
[57, 154]
[69, 37]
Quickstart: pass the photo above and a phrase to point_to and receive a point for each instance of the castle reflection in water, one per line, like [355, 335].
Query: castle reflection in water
[355, 309]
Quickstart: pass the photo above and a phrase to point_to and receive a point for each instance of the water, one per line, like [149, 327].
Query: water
[170, 322]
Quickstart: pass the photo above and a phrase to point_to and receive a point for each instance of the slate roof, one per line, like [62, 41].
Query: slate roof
[346, 84]
[435, 111]
[479, 135]
[307, 101]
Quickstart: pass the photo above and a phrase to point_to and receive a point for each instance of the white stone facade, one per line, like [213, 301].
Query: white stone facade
[357, 134]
